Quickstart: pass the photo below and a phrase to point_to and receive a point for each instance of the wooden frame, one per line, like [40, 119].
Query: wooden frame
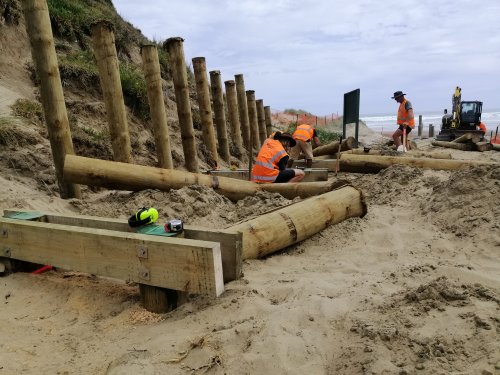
[190, 266]
[230, 241]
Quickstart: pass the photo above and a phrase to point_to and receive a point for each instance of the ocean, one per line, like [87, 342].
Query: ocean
[387, 123]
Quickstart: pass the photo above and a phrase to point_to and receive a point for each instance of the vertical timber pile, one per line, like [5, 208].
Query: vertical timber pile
[103, 40]
[36, 14]
[252, 117]
[220, 115]
[243, 110]
[203, 94]
[261, 119]
[175, 50]
[152, 75]
[420, 125]
[234, 119]
[269, 121]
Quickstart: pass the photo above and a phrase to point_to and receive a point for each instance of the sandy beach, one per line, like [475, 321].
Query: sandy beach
[413, 287]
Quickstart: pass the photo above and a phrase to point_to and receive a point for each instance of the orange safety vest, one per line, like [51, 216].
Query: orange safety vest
[303, 132]
[266, 166]
[482, 127]
[403, 116]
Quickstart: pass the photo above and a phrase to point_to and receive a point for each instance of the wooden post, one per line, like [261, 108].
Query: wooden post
[43, 50]
[220, 114]
[420, 125]
[317, 121]
[252, 118]
[151, 66]
[203, 94]
[297, 119]
[243, 110]
[269, 121]
[431, 131]
[276, 230]
[261, 119]
[103, 40]
[174, 47]
[234, 118]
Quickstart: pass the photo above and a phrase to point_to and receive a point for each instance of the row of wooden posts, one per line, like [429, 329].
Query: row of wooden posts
[249, 119]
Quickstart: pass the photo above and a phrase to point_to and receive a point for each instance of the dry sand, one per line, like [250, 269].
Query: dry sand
[414, 287]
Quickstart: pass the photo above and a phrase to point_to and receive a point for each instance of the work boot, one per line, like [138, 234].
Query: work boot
[309, 163]
[289, 164]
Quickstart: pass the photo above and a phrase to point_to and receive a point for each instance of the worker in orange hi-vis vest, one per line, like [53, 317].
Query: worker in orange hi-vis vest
[270, 166]
[482, 127]
[306, 137]
[405, 120]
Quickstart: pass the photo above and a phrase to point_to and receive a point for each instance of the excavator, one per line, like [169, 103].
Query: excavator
[465, 118]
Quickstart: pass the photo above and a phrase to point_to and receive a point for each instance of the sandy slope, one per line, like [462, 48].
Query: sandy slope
[414, 287]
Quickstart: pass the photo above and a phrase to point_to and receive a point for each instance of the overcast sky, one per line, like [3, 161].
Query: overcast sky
[305, 54]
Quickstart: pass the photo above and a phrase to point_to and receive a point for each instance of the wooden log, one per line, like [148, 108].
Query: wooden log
[495, 146]
[483, 146]
[243, 110]
[207, 123]
[220, 114]
[135, 177]
[103, 40]
[466, 137]
[186, 265]
[269, 122]
[253, 120]
[411, 153]
[332, 147]
[158, 300]
[175, 49]
[456, 146]
[36, 15]
[234, 119]
[152, 75]
[374, 163]
[261, 119]
[230, 242]
[311, 174]
[276, 230]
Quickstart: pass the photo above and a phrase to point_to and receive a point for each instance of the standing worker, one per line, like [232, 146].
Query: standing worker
[272, 159]
[304, 135]
[405, 118]
[482, 127]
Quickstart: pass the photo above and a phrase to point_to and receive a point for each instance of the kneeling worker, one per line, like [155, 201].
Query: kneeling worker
[305, 135]
[272, 159]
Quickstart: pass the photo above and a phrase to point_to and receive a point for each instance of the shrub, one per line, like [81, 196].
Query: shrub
[13, 133]
[29, 109]
[134, 90]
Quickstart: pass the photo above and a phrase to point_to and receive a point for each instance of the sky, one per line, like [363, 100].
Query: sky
[305, 54]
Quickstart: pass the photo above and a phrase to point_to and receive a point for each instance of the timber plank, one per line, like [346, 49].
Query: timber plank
[191, 266]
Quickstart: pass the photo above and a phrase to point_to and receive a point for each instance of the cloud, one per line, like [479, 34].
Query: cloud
[308, 53]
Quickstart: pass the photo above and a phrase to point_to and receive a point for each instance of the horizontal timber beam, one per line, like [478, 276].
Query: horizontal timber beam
[312, 174]
[190, 266]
